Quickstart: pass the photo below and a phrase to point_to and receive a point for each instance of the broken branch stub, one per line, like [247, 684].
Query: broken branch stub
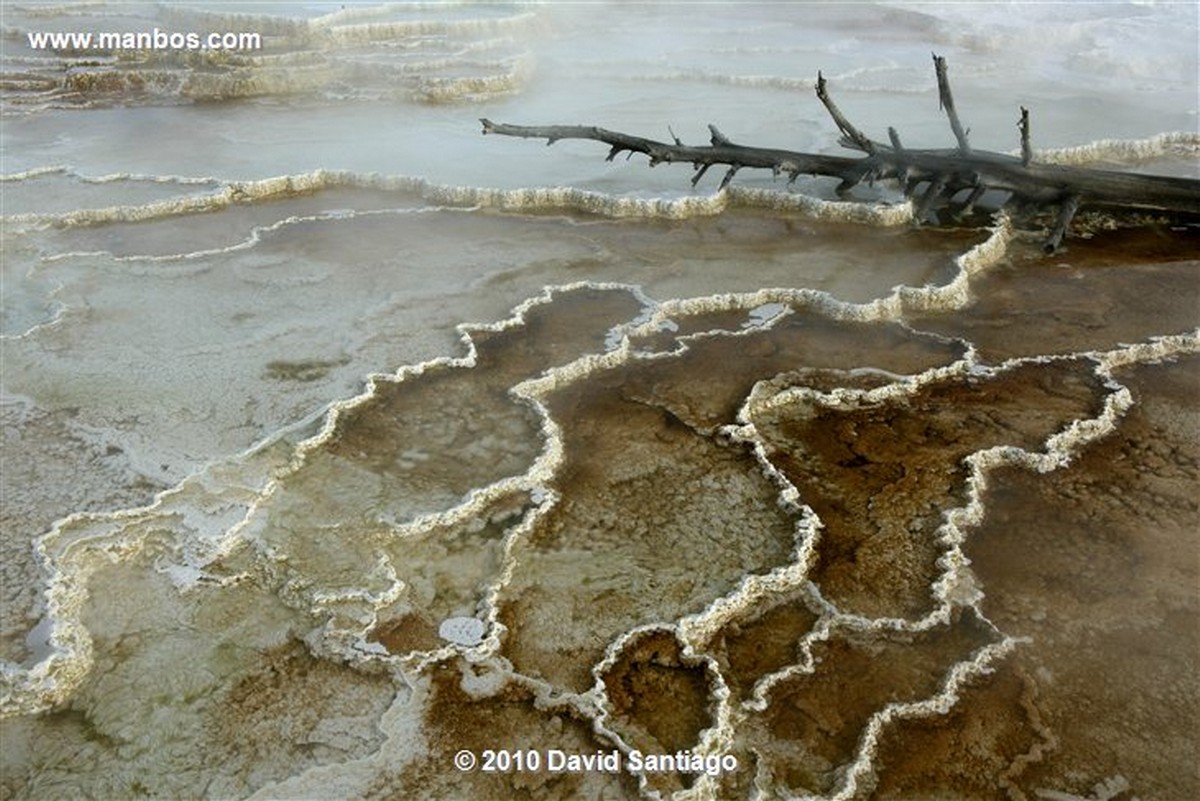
[946, 101]
[1026, 149]
[944, 173]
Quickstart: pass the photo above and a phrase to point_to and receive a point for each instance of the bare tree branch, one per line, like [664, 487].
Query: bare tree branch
[1026, 150]
[852, 137]
[946, 100]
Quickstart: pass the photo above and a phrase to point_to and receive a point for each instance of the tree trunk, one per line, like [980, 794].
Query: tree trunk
[944, 173]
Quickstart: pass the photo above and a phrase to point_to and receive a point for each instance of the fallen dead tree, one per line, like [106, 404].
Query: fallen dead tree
[932, 178]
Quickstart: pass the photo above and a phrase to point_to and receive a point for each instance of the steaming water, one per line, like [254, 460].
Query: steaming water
[339, 438]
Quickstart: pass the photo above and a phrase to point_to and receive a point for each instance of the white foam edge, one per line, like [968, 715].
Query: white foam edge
[352, 22]
[64, 641]
[714, 740]
[60, 312]
[342, 33]
[791, 578]
[107, 178]
[256, 236]
[71, 549]
[1123, 151]
[959, 676]
[786, 83]
[35, 172]
[69, 644]
[1059, 449]
[955, 294]
[222, 194]
[533, 480]
[689, 630]
[349, 645]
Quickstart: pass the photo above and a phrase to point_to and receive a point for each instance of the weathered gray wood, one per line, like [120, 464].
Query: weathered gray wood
[851, 136]
[1026, 148]
[947, 102]
[945, 173]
